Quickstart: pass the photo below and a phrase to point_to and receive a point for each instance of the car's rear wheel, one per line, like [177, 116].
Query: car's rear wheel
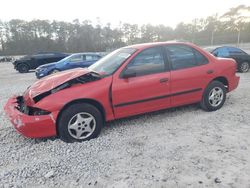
[80, 122]
[214, 96]
[244, 67]
[23, 68]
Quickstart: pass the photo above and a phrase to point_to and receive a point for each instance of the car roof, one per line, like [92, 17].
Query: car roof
[147, 45]
[49, 53]
[216, 47]
[86, 53]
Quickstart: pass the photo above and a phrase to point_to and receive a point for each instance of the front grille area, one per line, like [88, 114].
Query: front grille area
[21, 105]
[29, 110]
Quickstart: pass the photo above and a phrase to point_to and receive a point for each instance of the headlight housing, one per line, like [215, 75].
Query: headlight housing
[30, 110]
[38, 112]
[41, 69]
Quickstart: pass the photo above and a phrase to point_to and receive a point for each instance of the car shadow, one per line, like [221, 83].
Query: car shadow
[15, 72]
[128, 121]
[170, 112]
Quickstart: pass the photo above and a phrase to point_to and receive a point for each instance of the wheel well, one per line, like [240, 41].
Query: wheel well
[222, 80]
[77, 101]
[242, 61]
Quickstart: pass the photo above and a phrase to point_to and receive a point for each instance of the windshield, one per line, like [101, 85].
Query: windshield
[111, 62]
[65, 59]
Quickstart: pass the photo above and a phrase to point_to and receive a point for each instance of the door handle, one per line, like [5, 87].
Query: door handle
[162, 80]
[210, 71]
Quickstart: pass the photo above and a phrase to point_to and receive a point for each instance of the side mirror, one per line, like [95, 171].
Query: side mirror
[129, 74]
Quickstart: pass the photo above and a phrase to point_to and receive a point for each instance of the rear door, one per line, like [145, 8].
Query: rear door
[190, 72]
[238, 54]
[143, 85]
[89, 60]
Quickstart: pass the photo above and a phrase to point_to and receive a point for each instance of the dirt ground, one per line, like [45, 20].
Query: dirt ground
[180, 147]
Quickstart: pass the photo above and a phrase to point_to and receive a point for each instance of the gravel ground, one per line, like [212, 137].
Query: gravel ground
[181, 147]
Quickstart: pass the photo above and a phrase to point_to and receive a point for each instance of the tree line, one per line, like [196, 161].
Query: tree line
[27, 37]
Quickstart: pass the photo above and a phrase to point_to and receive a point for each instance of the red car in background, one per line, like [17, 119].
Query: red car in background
[75, 104]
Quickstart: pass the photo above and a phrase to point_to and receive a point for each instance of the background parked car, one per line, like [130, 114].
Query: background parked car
[6, 59]
[241, 57]
[30, 62]
[70, 62]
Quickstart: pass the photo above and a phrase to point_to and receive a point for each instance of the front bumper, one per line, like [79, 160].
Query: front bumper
[30, 126]
[40, 74]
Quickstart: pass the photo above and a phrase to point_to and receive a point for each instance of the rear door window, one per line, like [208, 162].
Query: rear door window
[235, 51]
[181, 56]
[200, 58]
[91, 57]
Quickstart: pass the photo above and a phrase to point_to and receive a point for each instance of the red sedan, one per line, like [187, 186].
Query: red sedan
[132, 80]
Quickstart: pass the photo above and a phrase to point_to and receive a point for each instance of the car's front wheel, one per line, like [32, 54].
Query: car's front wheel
[80, 122]
[244, 67]
[214, 96]
[54, 71]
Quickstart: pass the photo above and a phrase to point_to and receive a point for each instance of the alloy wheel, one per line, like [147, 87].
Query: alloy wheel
[81, 125]
[216, 96]
[244, 66]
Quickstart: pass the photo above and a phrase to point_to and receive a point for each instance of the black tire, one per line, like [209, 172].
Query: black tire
[206, 102]
[66, 134]
[23, 68]
[244, 67]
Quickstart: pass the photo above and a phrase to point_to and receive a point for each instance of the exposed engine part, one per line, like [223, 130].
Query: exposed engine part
[90, 77]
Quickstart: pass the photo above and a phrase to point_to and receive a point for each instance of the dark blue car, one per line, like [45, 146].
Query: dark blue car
[70, 62]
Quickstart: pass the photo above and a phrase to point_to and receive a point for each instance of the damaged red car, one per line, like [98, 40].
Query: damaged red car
[74, 105]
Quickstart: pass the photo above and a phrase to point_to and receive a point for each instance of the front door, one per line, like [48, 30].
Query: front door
[143, 85]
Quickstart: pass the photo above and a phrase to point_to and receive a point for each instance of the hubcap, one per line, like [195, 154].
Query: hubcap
[216, 96]
[23, 68]
[81, 125]
[244, 67]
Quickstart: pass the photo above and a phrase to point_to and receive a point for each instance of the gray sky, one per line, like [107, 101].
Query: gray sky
[140, 12]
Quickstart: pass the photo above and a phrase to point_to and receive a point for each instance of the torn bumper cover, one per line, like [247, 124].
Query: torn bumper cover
[31, 126]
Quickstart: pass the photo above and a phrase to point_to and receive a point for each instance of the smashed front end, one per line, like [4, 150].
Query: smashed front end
[30, 122]
[25, 113]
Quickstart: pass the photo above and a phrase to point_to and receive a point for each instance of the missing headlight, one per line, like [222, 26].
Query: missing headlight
[29, 110]
[37, 111]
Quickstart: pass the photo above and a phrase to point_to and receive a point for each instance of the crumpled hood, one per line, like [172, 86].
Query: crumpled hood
[52, 81]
